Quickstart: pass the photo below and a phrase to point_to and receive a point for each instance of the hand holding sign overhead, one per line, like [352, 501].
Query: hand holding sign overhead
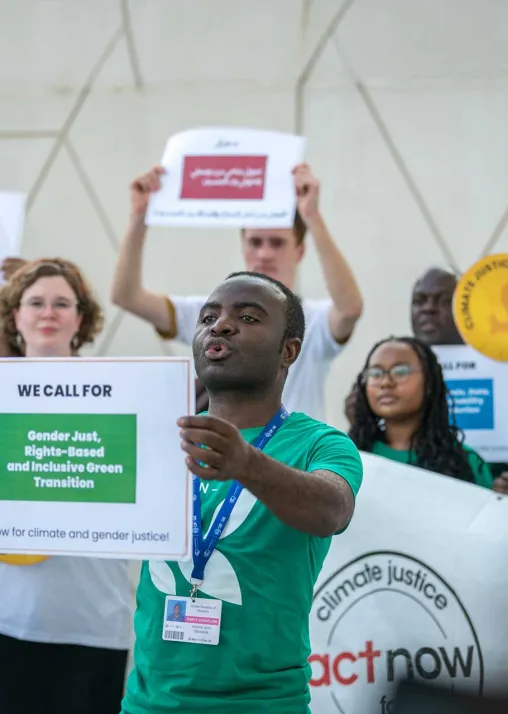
[142, 188]
[307, 192]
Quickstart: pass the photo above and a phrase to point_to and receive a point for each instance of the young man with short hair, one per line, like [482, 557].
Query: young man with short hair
[270, 490]
[275, 253]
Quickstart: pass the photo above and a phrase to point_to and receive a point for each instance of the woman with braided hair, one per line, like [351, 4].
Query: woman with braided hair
[402, 412]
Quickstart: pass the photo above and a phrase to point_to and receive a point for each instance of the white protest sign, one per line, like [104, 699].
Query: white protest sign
[90, 458]
[12, 221]
[223, 176]
[414, 589]
[479, 387]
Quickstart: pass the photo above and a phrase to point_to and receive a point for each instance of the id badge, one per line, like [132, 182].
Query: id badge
[192, 620]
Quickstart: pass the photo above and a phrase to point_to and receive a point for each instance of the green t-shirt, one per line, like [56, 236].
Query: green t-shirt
[264, 572]
[479, 467]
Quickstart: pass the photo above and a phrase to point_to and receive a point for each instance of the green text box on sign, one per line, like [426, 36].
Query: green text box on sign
[68, 457]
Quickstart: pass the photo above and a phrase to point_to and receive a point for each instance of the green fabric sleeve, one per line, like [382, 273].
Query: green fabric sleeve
[334, 451]
[481, 471]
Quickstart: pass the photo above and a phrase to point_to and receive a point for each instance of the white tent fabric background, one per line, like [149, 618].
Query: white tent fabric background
[405, 105]
[12, 221]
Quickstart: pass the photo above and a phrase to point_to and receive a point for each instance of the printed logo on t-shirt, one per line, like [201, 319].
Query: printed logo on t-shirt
[220, 581]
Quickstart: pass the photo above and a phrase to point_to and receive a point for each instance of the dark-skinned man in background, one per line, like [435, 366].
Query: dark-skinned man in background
[433, 323]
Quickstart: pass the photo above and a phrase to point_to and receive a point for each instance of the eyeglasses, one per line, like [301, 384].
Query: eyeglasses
[399, 373]
[37, 305]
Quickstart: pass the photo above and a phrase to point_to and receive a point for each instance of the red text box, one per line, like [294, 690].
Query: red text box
[223, 177]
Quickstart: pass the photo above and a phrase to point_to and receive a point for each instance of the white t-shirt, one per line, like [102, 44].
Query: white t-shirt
[304, 390]
[66, 600]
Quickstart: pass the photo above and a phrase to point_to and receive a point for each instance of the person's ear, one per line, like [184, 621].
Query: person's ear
[292, 349]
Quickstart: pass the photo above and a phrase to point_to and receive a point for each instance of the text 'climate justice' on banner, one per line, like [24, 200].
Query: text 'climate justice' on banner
[402, 592]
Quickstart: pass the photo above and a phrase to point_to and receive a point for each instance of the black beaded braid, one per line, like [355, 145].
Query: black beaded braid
[437, 441]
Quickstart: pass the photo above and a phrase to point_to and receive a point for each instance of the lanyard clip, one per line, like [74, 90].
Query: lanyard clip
[195, 584]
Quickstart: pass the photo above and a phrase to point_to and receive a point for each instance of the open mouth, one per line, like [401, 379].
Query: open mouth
[217, 351]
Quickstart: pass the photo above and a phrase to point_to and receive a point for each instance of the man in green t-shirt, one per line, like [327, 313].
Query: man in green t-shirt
[288, 484]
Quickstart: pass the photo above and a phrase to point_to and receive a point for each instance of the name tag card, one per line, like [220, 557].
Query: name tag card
[192, 620]
[90, 458]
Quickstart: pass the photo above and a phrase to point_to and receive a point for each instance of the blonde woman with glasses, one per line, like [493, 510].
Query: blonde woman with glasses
[65, 622]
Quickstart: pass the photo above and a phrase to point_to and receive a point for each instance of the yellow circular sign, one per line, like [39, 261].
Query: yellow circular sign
[480, 306]
[21, 559]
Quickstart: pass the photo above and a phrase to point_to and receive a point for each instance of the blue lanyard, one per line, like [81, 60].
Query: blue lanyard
[203, 548]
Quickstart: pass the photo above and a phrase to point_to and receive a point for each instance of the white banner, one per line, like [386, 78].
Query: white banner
[12, 222]
[227, 177]
[90, 458]
[479, 387]
[415, 588]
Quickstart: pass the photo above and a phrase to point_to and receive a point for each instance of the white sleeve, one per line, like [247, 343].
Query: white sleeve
[186, 316]
[321, 342]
